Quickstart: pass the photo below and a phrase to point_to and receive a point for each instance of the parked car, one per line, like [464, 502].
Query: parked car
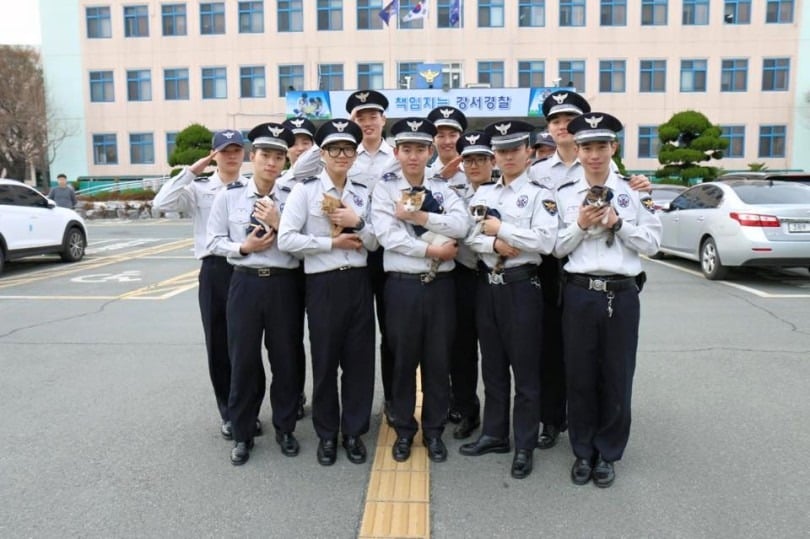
[31, 224]
[801, 177]
[739, 223]
[662, 194]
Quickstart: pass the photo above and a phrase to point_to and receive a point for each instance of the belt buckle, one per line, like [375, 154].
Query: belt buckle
[344, 268]
[600, 285]
[264, 272]
[425, 278]
[495, 278]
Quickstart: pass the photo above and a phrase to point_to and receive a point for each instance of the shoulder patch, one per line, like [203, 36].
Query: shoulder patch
[389, 176]
[358, 184]
[550, 206]
[202, 179]
[285, 188]
[309, 179]
[648, 203]
[567, 184]
[236, 185]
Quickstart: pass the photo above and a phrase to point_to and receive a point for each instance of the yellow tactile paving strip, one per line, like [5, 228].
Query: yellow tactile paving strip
[398, 494]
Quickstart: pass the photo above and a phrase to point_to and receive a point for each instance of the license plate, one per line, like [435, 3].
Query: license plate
[799, 227]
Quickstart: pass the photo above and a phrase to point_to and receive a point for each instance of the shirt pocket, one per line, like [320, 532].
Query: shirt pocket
[318, 223]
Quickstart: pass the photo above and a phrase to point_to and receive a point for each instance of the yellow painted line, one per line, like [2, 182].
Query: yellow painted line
[93, 263]
[398, 493]
[106, 298]
[165, 289]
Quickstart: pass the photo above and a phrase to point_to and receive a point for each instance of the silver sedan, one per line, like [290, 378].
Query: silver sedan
[739, 223]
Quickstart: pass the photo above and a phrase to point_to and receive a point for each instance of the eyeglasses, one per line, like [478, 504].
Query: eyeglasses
[478, 160]
[335, 151]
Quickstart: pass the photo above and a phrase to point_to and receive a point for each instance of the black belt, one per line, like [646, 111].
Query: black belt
[424, 278]
[340, 269]
[510, 275]
[264, 272]
[214, 258]
[601, 283]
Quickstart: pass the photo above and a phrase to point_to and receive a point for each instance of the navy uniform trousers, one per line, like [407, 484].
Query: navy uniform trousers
[600, 357]
[421, 320]
[552, 366]
[377, 275]
[340, 312]
[464, 359]
[301, 355]
[212, 294]
[509, 318]
[263, 307]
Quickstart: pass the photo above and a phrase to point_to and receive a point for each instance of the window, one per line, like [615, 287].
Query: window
[532, 13]
[491, 73]
[693, 75]
[174, 19]
[735, 134]
[141, 149]
[734, 76]
[772, 141]
[490, 14]
[653, 76]
[620, 142]
[572, 12]
[451, 71]
[251, 81]
[443, 12]
[330, 14]
[291, 78]
[648, 142]
[370, 76]
[105, 149]
[330, 76]
[737, 12]
[775, 74]
[291, 16]
[139, 85]
[251, 17]
[695, 12]
[368, 14]
[407, 73]
[98, 22]
[175, 84]
[654, 12]
[612, 75]
[101, 87]
[214, 83]
[171, 143]
[613, 13]
[136, 21]
[779, 11]
[531, 74]
[572, 73]
[212, 18]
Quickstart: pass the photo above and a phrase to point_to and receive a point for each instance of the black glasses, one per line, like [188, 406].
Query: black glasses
[335, 151]
[478, 160]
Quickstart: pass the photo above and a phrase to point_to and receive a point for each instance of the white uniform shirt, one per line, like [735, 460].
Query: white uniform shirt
[589, 253]
[553, 172]
[306, 231]
[466, 256]
[193, 195]
[528, 221]
[367, 168]
[404, 250]
[228, 223]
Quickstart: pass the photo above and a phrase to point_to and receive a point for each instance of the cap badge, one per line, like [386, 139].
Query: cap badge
[414, 125]
[362, 96]
[594, 121]
[340, 126]
[503, 129]
[560, 98]
[228, 134]
[446, 112]
[297, 122]
[472, 139]
[276, 131]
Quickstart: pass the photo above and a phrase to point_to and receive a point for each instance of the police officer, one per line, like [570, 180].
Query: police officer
[450, 124]
[603, 276]
[190, 193]
[544, 146]
[522, 225]
[419, 290]
[264, 296]
[339, 301]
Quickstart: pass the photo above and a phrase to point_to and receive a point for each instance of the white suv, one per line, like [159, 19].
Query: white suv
[31, 224]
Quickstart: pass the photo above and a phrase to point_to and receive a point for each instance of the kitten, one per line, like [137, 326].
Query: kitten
[328, 205]
[600, 196]
[412, 201]
[480, 212]
[256, 222]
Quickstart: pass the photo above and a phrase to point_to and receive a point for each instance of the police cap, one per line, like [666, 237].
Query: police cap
[418, 130]
[474, 142]
[366, 99]
[509, 134]
[300, 126]
[337, 130]
[565, 101]
[593, 127]
[542, 138]
[226, 137]
[448, 117]
[271, 135]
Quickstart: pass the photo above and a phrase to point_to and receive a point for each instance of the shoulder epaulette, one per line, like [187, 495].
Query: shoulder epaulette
[308, 179]
[438, 177]
[536, 161]
[459, 186]
[284, 188]
[537, 184]
[488, 183]
[567, 184]
[236, 185]
[623, 177]
[202, 179]
[358, 184]
[389, 176]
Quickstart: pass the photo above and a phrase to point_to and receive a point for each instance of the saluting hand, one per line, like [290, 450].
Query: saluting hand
[640, 182]
[199, 166]
[451, 168]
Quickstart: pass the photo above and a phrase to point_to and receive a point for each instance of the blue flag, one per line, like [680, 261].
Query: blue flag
[388, 11]
[455, 13]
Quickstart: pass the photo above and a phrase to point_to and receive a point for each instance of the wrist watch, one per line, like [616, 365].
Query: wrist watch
[360, 224]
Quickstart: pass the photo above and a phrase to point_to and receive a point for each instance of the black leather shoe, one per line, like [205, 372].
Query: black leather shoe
[355, 449]
[402, 449]
[581, 471]
[437, 451]
[302, 400]
[603, 473]
[226, 430]
[258, 431]
[522, 463]
[389, 416]
[485, 444]
[466, 427]
[288, 444]
[241, 452]
[548, 438]
[327, 451]
[454, 416]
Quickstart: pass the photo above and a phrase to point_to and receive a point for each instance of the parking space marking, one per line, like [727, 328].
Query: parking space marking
[742, 287]
[165, 289]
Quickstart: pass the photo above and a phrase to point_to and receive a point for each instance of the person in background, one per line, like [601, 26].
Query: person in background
[63, 194]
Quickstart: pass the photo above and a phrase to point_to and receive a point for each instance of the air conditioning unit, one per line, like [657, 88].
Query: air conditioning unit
[477, 85]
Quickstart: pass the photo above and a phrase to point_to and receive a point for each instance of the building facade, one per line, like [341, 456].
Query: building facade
[126, 76]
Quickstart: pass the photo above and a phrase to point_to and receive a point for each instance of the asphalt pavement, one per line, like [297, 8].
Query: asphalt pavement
[109, 426]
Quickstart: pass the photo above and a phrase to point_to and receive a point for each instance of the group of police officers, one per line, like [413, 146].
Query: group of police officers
[544, 285]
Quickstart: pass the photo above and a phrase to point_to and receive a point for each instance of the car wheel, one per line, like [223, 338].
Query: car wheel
[710, 263]
[2, 260]
[73, 245]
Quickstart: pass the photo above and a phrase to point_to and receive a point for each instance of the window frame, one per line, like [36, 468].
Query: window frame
[648, 138]
[532, 13]
[771, 136]
[772, 74]
[212, 16]
[250, 17]
[608, 8]
[736, 138]
[170, 16]
[107, 85]
[695, 73]
[176, 80]
[658, 12]
[256, 79]
[104, 142]
[733, 71]
[136, 20]
[528, 71]
[145, 146]
[490, 13]
[290, 18]
[489, 69]
[144, 85]
[99, 24]
[213, 76]
[371, 75]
